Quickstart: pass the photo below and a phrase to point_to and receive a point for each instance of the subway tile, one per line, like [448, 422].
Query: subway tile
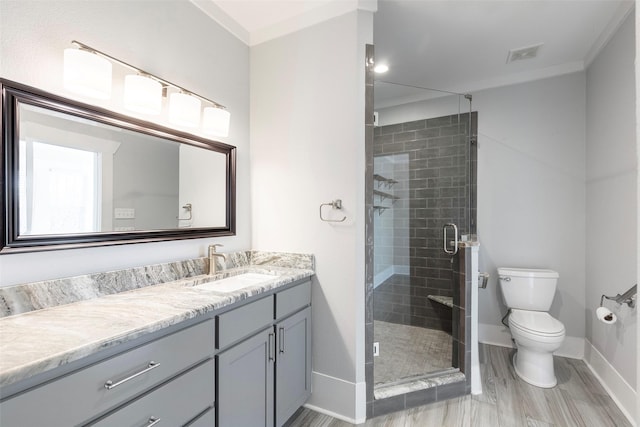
[415, 125]
[393, 147]
[439, 121]
[382, 139]
[388, 129]
[369, 376]
[368, 110]
[404, 136]
[441, 141]
[411, 143]
[428, 133]
[455, 355]
[447, 391]
[453, 130]
[386, 406]
[454, 171]
[420, 397]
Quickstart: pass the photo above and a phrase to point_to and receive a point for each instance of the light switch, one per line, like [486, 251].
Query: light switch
[124, 213]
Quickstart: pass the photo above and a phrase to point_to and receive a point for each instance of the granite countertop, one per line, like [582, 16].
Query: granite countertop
[36, 341]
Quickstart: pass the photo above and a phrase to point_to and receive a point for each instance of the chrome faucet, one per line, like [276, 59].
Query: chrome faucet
[212, 259]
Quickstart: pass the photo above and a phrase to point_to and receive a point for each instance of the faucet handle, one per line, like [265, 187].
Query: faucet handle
[212, 248]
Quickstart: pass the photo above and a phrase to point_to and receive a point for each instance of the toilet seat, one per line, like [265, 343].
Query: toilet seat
[539, 323]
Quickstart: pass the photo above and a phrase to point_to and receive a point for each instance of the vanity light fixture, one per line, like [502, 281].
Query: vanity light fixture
[184, 109]
[215, 121]
[87, 74]
[143, 92]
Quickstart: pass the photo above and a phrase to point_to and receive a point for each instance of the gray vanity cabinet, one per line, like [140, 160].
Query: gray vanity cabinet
[134, 378]
[264, 379]
[173, 404]
[245, 382]
[293, 364]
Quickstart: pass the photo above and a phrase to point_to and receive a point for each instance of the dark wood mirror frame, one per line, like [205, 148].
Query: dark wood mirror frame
[14, 94]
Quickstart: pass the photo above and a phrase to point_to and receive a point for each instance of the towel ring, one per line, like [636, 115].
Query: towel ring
[335, 204]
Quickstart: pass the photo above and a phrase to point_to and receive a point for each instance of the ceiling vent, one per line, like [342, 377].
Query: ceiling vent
[521, 53]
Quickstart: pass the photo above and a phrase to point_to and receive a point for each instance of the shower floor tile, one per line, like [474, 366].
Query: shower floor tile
[409, 351]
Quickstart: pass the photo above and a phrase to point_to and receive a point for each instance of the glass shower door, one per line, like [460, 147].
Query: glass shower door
[423, 181]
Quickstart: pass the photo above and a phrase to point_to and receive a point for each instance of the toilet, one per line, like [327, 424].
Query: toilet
[529, 294]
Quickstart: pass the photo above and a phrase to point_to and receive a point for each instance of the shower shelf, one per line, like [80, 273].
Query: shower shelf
[380, 209]
[384, 195]
[381, 180]
[448, 301]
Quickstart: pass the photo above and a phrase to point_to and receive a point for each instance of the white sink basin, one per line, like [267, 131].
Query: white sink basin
[235, 283]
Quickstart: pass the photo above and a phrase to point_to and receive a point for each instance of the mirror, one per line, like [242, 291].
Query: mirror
[75, 176]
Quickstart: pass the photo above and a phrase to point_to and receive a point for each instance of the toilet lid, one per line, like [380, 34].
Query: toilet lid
[536, 322]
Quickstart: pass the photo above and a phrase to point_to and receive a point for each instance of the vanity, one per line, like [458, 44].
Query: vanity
[176, 344]
[232, 349]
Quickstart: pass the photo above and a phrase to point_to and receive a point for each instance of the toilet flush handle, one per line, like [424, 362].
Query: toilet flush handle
[505, 278]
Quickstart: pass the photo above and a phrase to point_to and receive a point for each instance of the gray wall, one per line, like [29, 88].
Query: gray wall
[611, 198]
[172, 39]
[307, 143]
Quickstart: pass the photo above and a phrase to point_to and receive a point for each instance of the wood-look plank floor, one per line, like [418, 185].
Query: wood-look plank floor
[507, 401]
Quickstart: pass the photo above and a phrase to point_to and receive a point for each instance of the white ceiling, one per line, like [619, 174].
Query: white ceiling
[462, 46]
[453, 45]
[255, 15]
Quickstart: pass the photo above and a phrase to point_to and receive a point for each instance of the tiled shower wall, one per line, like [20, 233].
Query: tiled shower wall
[439, 174]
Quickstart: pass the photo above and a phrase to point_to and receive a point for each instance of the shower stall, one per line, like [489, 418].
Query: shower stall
[424, 210]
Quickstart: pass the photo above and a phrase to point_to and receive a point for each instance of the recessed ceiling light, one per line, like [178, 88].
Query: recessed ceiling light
[381, 68]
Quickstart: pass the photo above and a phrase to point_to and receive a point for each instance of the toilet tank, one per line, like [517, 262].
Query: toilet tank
[528, 289]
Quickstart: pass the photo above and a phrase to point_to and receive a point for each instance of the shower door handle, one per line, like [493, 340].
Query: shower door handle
[455, 239]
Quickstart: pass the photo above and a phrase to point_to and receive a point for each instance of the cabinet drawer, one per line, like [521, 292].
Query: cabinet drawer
[173, 404]
[293, 299]
[208, 419]
[82, 395]
[243, 321]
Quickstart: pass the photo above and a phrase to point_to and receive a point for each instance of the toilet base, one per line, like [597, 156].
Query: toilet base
[535, 368]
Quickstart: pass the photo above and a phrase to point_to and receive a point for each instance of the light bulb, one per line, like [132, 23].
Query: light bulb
[215, 121]
[184, 110]
[87, 74]
[142, 94]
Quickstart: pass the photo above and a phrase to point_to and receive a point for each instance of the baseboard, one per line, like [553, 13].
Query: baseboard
[620, 391]
[401, 269]
[572, 347]
[338, 398]
[379, 278]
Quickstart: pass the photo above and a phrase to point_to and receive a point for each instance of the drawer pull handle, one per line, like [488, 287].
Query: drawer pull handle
[152, 421]
[111, 385]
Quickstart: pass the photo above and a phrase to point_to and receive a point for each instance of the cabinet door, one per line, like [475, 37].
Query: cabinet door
[293, 364]
[245, 382]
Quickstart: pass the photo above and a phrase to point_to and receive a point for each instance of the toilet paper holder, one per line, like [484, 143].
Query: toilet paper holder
[626, 298]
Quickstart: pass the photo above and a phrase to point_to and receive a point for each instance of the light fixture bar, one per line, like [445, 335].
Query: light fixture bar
[146, 74]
